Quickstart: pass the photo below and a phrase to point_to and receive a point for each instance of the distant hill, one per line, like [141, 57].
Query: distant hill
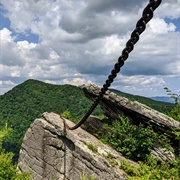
[163, 99]
[20, 106]
[161, 106]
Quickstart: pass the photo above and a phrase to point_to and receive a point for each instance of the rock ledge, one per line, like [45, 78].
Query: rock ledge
[50, 152]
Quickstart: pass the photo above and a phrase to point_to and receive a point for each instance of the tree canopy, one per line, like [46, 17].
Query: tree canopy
[20, 106]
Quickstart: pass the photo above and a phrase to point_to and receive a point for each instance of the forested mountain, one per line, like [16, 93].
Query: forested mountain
[161, 106]
[163, 99]
[27, 101]
[20, 106]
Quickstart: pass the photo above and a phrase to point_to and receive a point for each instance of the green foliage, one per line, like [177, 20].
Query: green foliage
[84, 177]
[3, 133]
[112, 160]
[174, 96]
[8, 171]
[130, 169]
[26, 102]
[132, 141]
[101, 116]
[66, 114]
[175, 112]
[177, 134]
[152, 170]
[92, 147]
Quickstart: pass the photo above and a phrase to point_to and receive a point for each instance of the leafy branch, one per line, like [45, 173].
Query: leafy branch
[174, 96]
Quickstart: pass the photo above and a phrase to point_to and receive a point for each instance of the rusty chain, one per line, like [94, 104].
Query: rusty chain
[147, 15]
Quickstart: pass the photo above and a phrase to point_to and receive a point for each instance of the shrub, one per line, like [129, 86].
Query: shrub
[152, 170]
[133, 141]
[175, 112]
[8, 170]
[66, 114]
[112, 160]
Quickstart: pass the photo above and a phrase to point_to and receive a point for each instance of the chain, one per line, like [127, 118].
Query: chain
[147, 15]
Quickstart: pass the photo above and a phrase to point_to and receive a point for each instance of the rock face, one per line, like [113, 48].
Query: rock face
[114, 105]
[50, 151]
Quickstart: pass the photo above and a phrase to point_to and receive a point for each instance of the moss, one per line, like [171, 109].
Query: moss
[92, 147]
[111, 159]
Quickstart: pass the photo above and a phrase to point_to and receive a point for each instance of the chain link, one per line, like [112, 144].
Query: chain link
[140, 27]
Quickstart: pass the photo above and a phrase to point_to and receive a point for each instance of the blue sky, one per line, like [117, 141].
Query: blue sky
[78, 42]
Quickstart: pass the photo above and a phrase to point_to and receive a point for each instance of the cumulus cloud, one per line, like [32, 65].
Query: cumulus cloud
[77, 81]
[159, 26]
[169, 8]
[141, 80]
[140, 84]
[8, 44]
[6, 86]
[86, 37]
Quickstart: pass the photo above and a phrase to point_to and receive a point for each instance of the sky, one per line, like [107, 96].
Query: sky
[79, 41]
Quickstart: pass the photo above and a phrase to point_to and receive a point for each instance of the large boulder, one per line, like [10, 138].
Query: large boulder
[115, 106]
[50, 151]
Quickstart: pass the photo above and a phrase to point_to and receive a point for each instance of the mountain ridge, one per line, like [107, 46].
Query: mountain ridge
[27, 101]
[165, 99]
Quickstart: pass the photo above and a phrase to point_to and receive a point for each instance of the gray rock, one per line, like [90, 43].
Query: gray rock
[114, 106]
[162, 153]
[50, 151]
[93, 123]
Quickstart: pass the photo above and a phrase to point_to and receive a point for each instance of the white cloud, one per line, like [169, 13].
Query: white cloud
[140, 84]
[6, 86]
[77, 81]
[81, 40]
[50, 82]
[141, 80]
[5, 35]
[160, 26]
[169, 8]
[13, 53]
[15, 74]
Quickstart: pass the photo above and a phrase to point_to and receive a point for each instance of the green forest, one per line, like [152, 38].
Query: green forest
[8, 170]
[27, 101]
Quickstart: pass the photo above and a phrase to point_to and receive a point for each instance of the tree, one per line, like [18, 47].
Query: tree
[174, 96]
[8, 170]
[175, 112]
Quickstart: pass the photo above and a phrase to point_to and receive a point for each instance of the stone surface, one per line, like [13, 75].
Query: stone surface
[162, 153]
[50, 151]
[114, 105]
[93, 123]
